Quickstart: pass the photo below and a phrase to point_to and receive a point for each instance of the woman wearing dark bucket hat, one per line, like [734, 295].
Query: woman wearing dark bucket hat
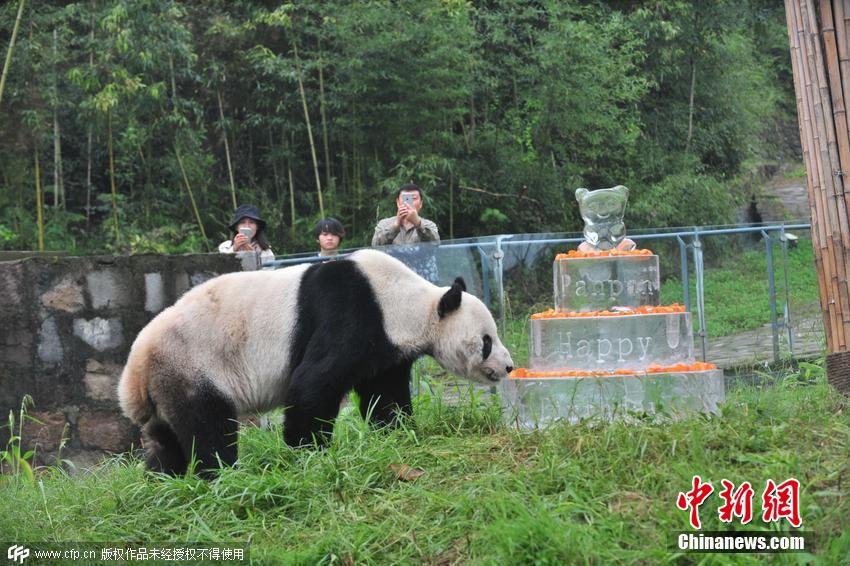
[249, 233]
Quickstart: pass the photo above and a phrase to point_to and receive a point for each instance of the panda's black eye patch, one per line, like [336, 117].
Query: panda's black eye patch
[488, 347]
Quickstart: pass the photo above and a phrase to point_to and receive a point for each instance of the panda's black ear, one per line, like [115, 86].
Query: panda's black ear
[451, 300]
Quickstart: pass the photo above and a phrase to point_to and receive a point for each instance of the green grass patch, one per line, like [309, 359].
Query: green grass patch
[489, 494]
[736, 292]
[797, 172]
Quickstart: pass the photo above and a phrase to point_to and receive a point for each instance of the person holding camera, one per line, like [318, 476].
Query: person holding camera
[249, 233]
[406, 227]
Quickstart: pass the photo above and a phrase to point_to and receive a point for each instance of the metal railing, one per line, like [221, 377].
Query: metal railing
[489, 257]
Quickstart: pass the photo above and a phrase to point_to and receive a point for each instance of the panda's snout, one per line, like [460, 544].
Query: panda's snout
[509, 369]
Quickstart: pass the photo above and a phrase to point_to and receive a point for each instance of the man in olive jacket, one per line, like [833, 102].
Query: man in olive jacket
[406, 227]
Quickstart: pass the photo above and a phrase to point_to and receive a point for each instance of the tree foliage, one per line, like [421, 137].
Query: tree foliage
[498, 109]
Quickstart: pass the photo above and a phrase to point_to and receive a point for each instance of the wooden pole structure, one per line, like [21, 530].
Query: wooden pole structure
[820, 58]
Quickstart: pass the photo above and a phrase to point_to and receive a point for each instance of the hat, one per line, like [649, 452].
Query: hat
[247, 211]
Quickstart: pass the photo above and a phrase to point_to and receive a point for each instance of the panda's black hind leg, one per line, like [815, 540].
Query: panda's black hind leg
[162, 449]
[385, 397]
[204, 423]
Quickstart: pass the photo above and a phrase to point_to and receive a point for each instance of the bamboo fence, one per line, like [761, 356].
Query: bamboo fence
[818, 32]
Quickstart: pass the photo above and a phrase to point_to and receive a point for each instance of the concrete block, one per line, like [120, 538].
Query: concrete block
[201, 277]
[44, 430]
[11, 276]
[250, 261]
[66, 296]
[16, 341]
[106, 290]
[49, 344]
[100, 333]
[105, 430]
[154, 292]
[181, 283]
[101, 380]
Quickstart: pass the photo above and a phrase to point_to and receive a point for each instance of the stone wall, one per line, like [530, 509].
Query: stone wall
[67, 326]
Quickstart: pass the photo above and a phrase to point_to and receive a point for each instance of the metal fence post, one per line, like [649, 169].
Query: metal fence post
[771, 290]
[498, 255]
[700, 275]
[787, 314]
[683, 264]
[485, 275]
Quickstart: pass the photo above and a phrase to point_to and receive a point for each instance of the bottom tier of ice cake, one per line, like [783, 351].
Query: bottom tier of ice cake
[536, 402]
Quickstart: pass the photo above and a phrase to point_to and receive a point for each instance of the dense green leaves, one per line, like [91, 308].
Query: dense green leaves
[498, 109]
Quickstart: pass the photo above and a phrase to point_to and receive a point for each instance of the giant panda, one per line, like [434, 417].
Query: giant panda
[300, 337]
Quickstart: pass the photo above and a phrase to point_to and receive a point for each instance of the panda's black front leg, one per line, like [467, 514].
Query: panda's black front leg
[312, 403]
[386, 396]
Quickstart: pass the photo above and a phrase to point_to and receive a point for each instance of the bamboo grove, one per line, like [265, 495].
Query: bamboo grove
[138, 125]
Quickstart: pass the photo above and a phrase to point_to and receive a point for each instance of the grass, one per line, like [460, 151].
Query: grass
[797, 172]
[489, 494]
[736, 292]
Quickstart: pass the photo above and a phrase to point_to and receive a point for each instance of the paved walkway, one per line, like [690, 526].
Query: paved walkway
[755, 347]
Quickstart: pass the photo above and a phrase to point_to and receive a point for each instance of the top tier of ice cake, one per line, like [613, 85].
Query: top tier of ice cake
[585, 284]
